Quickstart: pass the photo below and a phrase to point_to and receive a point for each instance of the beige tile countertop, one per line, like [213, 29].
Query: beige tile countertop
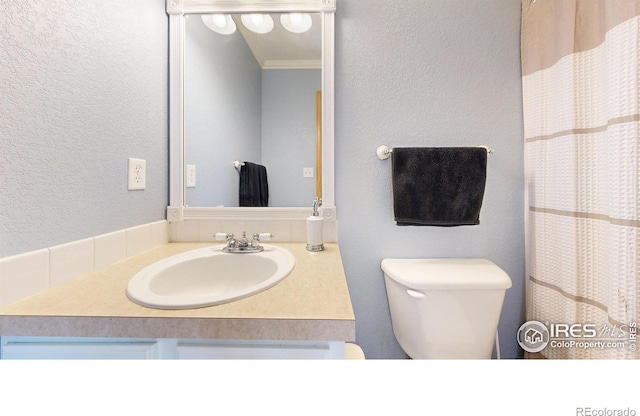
[312, 303]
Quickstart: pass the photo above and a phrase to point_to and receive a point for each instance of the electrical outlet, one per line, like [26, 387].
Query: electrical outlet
[307, 172]
[137, 174]
[191, 176]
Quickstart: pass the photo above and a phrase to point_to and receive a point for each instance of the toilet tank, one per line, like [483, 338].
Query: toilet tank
[445, 308]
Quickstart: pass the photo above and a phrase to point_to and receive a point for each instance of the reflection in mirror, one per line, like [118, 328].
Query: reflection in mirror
[251, 97]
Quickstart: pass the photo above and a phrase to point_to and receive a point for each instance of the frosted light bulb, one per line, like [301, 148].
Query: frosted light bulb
[296, 22]
[219, 23]
[257, 19]
[258, 23]
[219, 20]
[296, 18]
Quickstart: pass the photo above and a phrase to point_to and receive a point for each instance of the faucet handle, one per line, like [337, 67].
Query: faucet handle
[265, 236]
[223, 236]
[255, 243]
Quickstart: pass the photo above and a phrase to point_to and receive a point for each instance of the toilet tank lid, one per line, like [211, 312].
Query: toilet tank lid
[447, 274]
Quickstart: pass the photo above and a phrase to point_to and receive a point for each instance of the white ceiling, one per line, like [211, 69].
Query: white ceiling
[281, 49]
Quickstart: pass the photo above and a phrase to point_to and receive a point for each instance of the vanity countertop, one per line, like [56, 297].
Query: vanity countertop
[312, 303]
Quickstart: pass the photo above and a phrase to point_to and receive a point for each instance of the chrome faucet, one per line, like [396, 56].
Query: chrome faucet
[243, 245]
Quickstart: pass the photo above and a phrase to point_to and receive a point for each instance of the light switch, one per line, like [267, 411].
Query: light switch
[191, 176]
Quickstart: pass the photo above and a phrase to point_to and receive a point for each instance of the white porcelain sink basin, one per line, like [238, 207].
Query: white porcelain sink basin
[207, 276]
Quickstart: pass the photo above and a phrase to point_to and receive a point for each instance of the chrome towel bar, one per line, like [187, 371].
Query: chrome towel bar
[384, 152]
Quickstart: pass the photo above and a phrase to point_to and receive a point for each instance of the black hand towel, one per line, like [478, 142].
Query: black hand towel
[254, 188]
[438, 186]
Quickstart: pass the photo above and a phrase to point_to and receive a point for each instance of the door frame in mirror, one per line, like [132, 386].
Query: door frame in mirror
[177, 9]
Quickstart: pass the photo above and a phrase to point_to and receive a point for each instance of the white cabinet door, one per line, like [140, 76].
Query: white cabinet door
[165, 348]
[79, 350]
[250, 350]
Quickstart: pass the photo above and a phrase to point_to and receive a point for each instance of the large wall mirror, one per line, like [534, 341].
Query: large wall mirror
[240, 93]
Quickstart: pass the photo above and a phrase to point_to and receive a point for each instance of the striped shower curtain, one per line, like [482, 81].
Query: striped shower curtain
[581, 93]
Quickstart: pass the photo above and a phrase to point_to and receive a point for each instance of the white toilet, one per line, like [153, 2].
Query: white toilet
[445, 308]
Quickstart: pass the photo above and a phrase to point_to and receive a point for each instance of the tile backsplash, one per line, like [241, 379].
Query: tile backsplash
[26, 274]
[23, 275]
[284, 231]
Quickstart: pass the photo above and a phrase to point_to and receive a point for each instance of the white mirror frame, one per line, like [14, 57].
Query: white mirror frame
[177, 9]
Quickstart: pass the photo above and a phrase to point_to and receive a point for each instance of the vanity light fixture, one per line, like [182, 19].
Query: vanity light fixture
[219, 23]
[258, 23]
[296, 22]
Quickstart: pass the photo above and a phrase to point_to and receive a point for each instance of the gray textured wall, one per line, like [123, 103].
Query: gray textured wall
[83, 87]
[426, 73]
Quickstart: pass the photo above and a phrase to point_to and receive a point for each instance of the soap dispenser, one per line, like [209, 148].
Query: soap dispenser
[314, 228]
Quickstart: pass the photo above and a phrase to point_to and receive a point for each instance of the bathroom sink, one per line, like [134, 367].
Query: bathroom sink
[208, 276]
